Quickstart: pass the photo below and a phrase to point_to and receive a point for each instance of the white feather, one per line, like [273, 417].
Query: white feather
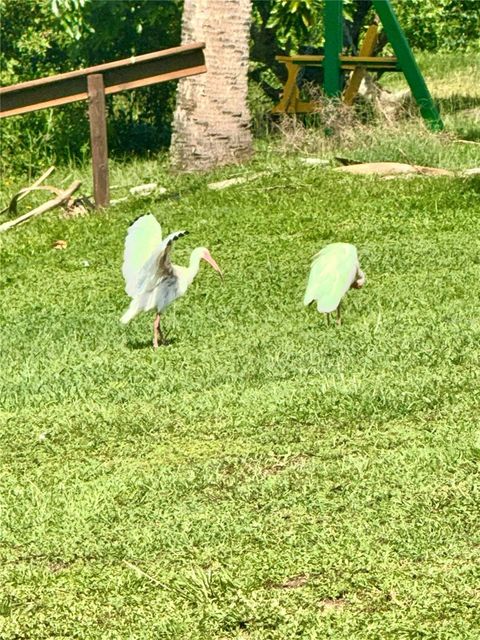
[143, 237]
[141, 303]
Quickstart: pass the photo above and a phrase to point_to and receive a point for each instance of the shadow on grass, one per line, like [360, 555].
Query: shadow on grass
[455, 103]
[137, 345]
[465, 110]
[469, 184]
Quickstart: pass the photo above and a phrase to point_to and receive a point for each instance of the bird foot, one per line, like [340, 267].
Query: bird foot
[162, 343]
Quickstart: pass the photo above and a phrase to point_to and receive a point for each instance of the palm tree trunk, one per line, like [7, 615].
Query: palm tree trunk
[211, 124]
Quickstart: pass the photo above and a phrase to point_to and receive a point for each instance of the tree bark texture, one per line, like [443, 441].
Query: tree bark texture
[211, 125]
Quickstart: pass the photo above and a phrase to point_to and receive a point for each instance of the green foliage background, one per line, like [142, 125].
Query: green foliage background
[441, 25]
[44, 37]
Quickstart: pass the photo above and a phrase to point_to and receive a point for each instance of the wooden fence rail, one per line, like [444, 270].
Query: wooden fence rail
[92, 84]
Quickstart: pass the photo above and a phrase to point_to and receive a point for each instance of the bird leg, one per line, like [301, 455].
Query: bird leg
[157, 332]
[339, 320]
[327, 319]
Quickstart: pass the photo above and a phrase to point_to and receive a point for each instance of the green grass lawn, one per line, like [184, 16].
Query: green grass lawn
[264, 476]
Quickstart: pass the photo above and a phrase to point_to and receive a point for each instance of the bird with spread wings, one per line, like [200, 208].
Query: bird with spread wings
[151, 279]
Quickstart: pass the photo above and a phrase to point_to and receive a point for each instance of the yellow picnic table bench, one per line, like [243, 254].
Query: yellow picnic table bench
[333, 63]
[358, 65]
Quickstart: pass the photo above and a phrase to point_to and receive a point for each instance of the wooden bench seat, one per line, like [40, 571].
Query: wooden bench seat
[371, 63]
[358, 65]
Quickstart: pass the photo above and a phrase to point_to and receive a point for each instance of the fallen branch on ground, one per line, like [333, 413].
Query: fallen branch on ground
[223, 184]
[23, 192]
[467, 141]
[12, 207]
[392, 168]
[63, 196]
[347, 161]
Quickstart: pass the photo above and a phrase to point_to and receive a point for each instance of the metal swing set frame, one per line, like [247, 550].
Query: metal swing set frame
[333, 63]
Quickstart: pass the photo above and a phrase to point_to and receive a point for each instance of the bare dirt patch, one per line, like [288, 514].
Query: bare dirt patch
[295, 582]
[331, 605]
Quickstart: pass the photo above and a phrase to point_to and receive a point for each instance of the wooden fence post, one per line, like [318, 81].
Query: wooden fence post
[92, 84]
[98, 139]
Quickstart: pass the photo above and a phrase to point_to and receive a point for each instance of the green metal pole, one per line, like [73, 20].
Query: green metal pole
[333, 46]
[408, 64]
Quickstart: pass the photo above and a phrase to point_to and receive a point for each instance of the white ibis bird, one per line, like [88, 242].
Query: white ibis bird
[151, 280]
[335, 269]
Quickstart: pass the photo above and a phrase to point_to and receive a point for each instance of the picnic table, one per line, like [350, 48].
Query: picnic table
[290, 101]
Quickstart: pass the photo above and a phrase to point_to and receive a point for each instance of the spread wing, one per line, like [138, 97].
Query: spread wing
[143, 237]
[331, 275]
[158, 264]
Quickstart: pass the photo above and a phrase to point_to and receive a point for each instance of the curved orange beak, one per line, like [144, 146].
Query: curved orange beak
[212, 263]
